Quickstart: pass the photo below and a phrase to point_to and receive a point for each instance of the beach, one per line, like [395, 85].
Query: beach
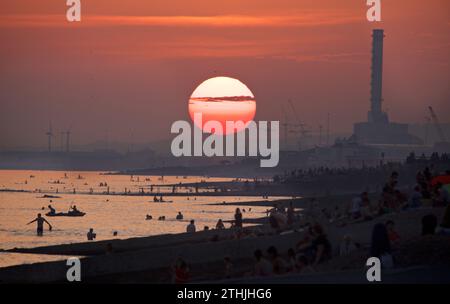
[149, 259]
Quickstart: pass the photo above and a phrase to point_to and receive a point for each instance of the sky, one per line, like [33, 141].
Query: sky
[128, 68]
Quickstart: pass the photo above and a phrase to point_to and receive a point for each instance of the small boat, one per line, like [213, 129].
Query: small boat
[70, 213]
[49, 196]
[158, 201]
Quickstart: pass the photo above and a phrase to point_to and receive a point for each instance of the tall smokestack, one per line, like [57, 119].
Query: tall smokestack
[376, 114]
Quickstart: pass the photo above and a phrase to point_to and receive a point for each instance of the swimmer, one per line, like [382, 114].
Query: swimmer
[40, 224]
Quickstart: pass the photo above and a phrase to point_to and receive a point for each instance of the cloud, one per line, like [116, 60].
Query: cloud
[306, 19]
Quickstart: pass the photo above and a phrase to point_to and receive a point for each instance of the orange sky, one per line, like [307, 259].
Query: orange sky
[130, 66]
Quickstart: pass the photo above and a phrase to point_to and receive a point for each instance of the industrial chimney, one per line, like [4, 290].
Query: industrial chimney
[378, 130]
[376, 114]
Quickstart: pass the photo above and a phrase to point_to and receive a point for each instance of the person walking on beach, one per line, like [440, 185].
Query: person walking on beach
[40, 224]
[238, 218]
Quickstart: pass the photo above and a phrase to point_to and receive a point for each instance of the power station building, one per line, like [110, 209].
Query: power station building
[378, 129]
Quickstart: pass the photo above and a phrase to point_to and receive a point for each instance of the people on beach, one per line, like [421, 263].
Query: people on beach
[228, 267]
[315, 245]
[109, 249]
[441, 196]
[277, 218]
[180, 271]
[220, 225]
[347, 246]
[292, 260]
[381, 246]
[238, 218]
[40, 220]
[415, 199]
[355, 210]
[91, 235]
[191, 227]
[394, 237]
[290, 214]
[278, 264]
[321, 246]
[262, 266]
[302, 264]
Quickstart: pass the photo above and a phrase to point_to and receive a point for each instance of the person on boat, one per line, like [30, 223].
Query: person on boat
[74, 209]
[40, 220]
[91, 235]
[52, 210]
[179, 216]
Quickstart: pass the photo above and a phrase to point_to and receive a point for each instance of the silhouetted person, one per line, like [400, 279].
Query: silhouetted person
[181, 271]
[278, 265]
[91, 235]
[191, 227]
[262, 266]
[52, 210]
[290, 214]
[220, 224]
[380, 244]
[40, 224]
[238, 218]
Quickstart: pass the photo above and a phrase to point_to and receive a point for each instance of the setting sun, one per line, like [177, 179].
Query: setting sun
[223, 99]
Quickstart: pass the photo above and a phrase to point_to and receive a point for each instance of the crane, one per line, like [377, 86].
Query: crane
[303, 131]
[437, 125]
[287, 127]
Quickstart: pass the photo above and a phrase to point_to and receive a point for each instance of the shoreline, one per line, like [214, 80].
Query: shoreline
[148, 259]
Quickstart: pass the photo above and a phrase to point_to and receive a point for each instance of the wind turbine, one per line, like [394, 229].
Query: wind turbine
[62, 141]
[68, 132]
[49, 135]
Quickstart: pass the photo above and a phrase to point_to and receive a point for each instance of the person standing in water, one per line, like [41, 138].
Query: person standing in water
[40, 224]
[238, 218]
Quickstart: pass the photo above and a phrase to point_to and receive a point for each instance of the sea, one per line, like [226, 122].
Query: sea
[109, 211]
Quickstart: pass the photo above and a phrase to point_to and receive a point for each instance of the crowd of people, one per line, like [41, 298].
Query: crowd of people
[315, 248]
[326, 172]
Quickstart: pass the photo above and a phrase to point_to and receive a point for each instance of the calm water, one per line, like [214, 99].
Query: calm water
[105, 213]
